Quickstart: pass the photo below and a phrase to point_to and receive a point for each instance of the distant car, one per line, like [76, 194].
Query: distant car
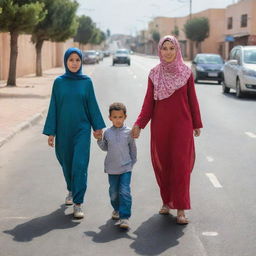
[106, 53]
[121, 56]
[208, 66]
[100, 55]
[90, 57]
[240, 71]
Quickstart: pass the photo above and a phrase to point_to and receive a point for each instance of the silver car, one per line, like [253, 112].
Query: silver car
[240, 71]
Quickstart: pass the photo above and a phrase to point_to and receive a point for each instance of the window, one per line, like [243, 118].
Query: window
[244, 19]
[230, 23]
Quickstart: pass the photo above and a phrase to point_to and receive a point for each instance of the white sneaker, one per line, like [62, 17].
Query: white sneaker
[115, 215]
[124, 223]
[69, 199]
[78, 213]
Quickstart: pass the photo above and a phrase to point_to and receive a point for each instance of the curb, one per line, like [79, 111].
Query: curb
[22, 126]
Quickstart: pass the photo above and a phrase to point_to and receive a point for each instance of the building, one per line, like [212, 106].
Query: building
[240, 25]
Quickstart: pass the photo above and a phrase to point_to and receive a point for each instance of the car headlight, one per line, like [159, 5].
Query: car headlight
[199, 68]
[249, 72]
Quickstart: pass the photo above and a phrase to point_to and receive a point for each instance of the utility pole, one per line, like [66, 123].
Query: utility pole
[190, 9]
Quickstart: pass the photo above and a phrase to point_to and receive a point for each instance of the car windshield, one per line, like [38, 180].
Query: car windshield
[250, 56]
[90, 53]
[209, 59]
[121, 52]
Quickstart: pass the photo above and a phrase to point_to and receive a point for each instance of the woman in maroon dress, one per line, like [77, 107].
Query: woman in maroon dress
[171, 105]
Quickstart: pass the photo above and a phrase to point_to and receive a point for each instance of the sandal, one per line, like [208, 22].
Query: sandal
[182, 220]
[164, 210]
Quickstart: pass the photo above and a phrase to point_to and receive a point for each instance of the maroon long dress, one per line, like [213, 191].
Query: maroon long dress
[172, 143]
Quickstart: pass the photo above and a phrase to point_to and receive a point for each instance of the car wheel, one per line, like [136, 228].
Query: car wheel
[239, 93]
[225, 89]
[129, 63]
[219, 82]
[113, 64]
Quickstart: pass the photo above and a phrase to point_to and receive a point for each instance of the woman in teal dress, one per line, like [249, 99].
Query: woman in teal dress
[72, 112]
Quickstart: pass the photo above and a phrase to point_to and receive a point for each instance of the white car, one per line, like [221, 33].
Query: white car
[240, 71]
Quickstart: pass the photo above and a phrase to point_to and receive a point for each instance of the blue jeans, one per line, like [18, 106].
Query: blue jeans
[120, 193]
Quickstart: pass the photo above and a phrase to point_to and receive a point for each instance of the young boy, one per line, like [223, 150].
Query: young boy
[119, 161]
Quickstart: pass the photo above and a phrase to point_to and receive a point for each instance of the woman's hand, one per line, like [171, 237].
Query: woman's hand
[197, 132]
[98, 134]
[135, 131]
[51, 141]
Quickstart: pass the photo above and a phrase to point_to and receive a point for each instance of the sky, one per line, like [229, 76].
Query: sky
[131, 16]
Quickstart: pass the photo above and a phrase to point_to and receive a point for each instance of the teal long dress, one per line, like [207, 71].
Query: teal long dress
[73, 111]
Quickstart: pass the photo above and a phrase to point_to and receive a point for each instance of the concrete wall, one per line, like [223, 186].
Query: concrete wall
[52, 55]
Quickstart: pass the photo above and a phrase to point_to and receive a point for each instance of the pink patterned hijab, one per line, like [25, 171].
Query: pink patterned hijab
[169, 76]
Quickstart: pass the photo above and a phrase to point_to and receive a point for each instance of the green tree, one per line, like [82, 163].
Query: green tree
[97, 37]
[156, 36]
[59, 24]
[16, 17]
[85, 30]
[197, 29]
[175, 31]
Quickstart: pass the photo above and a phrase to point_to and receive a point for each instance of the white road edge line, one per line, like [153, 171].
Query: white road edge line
[213, 180]
[210, 159]
[210, 233]
[251, 134]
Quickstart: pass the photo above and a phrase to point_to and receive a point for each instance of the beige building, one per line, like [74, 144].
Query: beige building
[213, 44]
[228, 27]
[240, 24]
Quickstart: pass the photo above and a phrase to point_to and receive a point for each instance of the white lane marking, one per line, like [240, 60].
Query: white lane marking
[210, 159]
[17, 218]
[210, 233]
[251, 134]
[134, 76]
[213, 180]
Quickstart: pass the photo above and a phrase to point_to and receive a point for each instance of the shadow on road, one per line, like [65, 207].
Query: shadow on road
[156, 235]
[40, 226]
[108, 232]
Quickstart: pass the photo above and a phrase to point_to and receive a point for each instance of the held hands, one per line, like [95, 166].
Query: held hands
[51, 141]
[135, 132]
[98, 134]
[197, 132]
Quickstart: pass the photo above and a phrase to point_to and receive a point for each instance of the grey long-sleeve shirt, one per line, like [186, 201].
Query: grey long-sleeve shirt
[121, 150]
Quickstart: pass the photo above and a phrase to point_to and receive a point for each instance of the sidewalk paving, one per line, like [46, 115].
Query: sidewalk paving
[25, 104]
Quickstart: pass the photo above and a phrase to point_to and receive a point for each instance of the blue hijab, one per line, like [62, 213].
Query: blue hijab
[68, 74]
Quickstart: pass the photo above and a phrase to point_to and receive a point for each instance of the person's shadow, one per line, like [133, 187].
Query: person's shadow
[156, 235]
[108, 232]
[39, 226]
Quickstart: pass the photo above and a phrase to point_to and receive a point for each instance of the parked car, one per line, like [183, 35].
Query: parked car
[90, 57]
[240, 71]
[106, 53]
[100, 55]
[121, 56]
[208, 66]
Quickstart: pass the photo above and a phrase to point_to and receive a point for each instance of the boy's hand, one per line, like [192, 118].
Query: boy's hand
[51, 141]
[98, 134]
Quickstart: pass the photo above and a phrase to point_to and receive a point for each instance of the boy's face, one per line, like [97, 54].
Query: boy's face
[117, 117]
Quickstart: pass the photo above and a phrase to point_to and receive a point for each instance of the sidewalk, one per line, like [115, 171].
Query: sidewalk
[25, 104]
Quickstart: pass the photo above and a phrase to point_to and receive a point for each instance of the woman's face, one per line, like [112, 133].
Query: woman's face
[168, 51]
[73, 62]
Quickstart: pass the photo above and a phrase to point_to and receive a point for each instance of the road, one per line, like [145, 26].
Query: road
[34, 220]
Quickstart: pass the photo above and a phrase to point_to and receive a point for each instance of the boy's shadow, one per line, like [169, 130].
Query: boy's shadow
[156, 235]
[39, 226]
[108, 232]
